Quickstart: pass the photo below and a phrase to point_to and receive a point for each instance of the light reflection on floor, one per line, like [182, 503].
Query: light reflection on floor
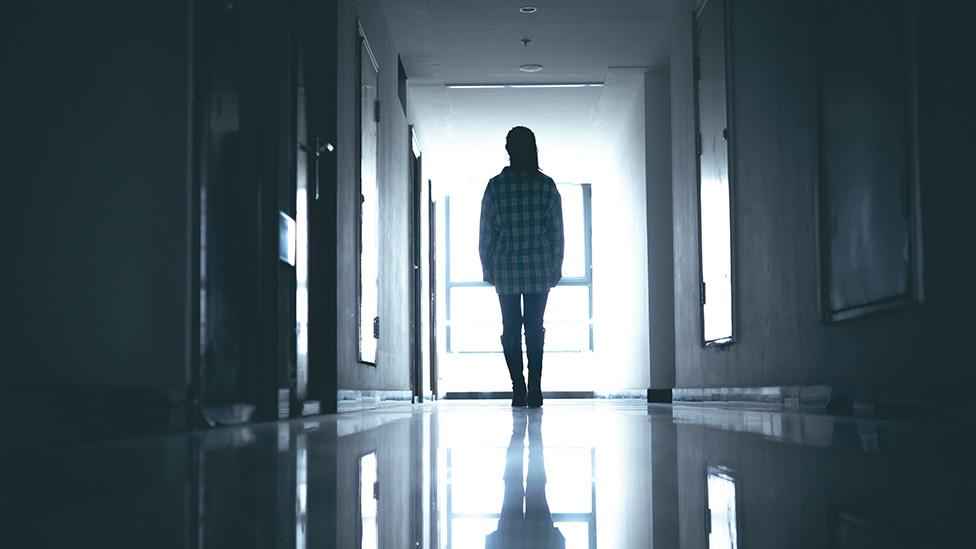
[577, 474]
[544, 487]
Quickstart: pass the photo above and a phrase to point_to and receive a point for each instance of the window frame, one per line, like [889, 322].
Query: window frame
[730, 155]
[364, 52]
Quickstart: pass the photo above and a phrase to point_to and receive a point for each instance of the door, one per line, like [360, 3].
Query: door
[227, 161]
[416, 274]
[319, 19]
[868, 176]
[432, 283]
[265, 74]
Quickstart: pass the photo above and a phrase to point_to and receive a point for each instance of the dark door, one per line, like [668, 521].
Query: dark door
[226, 163]
[289, 182]
[265, 76]
[867, 157]
[416, 280]
[319, 20]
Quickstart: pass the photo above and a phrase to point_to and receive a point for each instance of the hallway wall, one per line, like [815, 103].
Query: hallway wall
[392, 372]
[96, 230]
[781, 340]
[660, 231]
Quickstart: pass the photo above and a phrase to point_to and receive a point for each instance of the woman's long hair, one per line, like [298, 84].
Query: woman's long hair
[522, 151]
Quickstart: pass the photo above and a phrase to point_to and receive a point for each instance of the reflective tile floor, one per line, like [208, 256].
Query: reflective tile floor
[577, 474]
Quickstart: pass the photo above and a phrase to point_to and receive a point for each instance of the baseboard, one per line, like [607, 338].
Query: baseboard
[659, 396]
[806, 397]
[354, 400]
[505, 395]
[857, 400]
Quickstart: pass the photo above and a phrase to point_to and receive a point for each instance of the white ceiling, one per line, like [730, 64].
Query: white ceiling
[479, 41]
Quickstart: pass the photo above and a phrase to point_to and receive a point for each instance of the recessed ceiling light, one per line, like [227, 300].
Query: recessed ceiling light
[530, 68]
[528, 9]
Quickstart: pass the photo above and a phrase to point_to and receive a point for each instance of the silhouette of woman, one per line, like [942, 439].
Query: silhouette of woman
[533, 527]
[521, 248]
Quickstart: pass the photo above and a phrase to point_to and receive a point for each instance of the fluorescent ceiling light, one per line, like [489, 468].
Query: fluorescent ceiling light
[587, 85]
[475, 86]
[500, 86]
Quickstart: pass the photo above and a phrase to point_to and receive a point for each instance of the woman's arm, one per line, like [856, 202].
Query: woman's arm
[554, 230]
[488, 237]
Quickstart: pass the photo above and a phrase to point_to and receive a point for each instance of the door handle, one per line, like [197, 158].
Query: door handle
[317, 151]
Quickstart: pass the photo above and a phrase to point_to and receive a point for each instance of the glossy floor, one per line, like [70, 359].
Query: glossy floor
[577, 474]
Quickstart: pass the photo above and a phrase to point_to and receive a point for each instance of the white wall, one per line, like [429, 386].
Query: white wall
[392, 371]
[620, 253]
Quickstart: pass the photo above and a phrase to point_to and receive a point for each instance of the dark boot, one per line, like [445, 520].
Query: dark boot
[534, 342]
[513, 358]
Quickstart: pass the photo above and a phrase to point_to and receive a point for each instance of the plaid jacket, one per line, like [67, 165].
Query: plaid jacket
[521, 237]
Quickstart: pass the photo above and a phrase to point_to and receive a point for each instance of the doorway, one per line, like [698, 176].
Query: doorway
[416, 273]
[471, 360]
[265, 170]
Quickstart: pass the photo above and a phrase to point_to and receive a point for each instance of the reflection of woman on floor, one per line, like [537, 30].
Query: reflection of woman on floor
[534, 527]
[521, 248]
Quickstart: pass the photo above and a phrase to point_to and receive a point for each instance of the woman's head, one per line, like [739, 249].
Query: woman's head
[522, 152]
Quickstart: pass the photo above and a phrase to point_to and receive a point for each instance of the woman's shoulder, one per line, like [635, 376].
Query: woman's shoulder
[548, 183]
[542, 177]
[502, 176]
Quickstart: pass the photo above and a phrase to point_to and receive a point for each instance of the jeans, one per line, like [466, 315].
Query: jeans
[513, 317]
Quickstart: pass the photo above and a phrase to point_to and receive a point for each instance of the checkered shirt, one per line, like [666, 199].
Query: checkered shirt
[521, 238]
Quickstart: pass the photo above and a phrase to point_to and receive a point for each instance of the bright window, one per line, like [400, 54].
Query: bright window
[474, 321]
[715, 196]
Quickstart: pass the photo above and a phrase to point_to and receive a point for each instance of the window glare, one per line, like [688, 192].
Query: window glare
[574, 259]
[369, 507]
[716, 259]
[464, 231]
[721, 507]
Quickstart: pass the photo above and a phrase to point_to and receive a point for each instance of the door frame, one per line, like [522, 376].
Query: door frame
[432, 284]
